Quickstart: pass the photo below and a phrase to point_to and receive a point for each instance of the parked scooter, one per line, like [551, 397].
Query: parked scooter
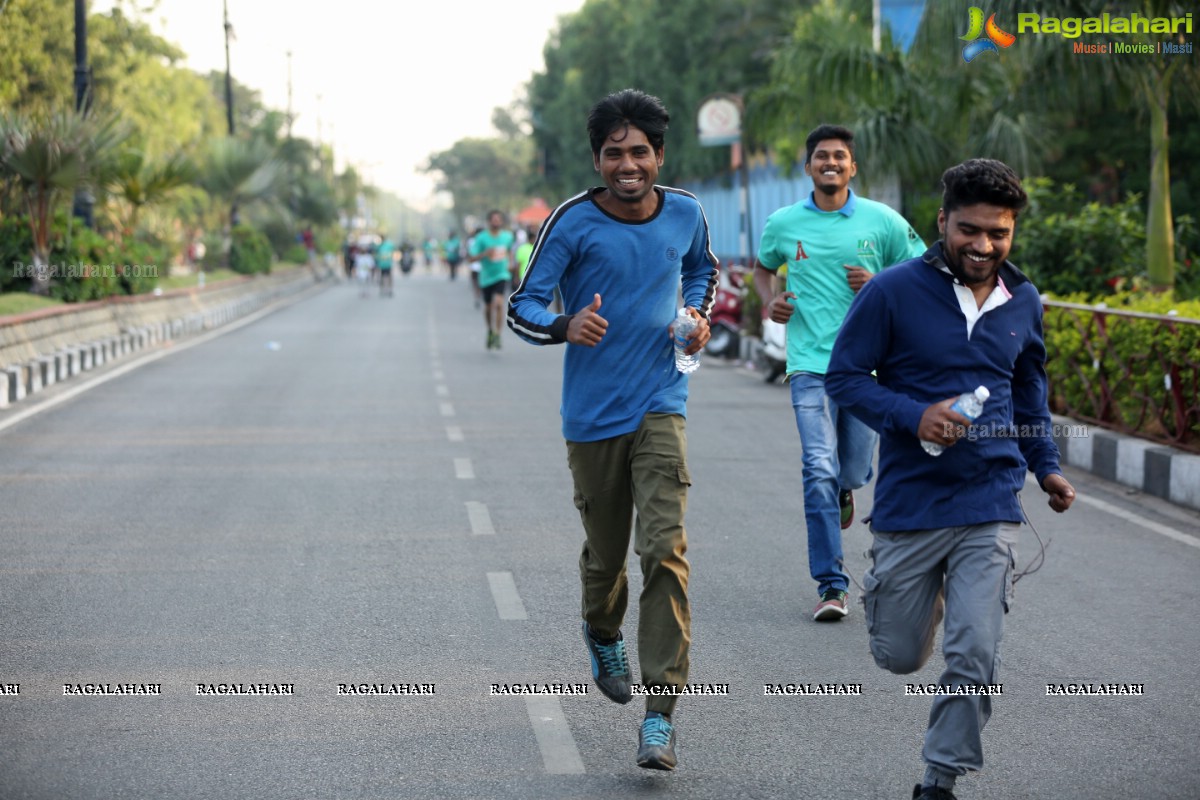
[725, 318]
[772, 356]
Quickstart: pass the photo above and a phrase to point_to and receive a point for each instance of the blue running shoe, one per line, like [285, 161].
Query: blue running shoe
[610, 667]
[656, 742]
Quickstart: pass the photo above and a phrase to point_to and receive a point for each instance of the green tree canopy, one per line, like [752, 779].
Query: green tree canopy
[679, 50]
[482, 174]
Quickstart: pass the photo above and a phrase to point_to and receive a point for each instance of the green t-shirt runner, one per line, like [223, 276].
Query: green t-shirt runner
[495, 249]
[522, 256]
[816, 245]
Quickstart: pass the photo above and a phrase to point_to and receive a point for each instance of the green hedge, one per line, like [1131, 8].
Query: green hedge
[1129, 361]
[86, 266]
[1066, 245]
[249, 251]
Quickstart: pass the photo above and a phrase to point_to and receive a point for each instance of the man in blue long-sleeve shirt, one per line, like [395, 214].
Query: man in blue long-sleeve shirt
[621, 254]
[945, 528]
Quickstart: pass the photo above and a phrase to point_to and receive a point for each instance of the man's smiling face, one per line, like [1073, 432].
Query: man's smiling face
[628, 164]
[977, 240]
[831, 166]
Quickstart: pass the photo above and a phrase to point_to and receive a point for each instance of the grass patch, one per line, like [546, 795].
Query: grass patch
[22, 302]
[188, 281]
[12, 303]
[213, 276]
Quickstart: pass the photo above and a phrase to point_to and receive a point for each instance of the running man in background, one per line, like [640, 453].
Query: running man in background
[522, 254]
[494, 249]
[473, 263]
[364, 266]
[452, 251]
[945, 527]
[384, 256]
[832, 242]
[620, 253]
[430, 253]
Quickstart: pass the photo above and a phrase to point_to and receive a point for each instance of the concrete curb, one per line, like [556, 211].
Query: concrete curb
[1149, 467]
[19, 381]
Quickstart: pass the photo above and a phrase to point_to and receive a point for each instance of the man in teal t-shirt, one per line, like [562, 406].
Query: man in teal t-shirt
[384, 255]
[832, 243]
[494, 248]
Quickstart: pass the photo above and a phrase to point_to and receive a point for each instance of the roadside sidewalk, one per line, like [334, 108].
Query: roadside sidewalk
[57, 345]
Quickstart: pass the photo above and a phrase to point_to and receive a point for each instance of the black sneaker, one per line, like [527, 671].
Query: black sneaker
[932, 793]
[656, 742]
[610, 667]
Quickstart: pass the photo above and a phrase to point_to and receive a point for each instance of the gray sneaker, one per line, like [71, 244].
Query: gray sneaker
[656, 742]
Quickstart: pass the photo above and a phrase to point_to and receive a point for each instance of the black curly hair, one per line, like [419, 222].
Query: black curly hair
[823, 132]
[623, 109]
[982, 180]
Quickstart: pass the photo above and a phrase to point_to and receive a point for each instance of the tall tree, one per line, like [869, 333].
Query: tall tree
[679, 50]
[482, 174]
[36, 56]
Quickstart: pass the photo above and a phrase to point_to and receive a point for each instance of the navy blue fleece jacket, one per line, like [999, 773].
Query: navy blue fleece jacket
[906, 324]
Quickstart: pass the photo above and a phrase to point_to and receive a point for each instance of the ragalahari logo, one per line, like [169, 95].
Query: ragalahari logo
[996, 38]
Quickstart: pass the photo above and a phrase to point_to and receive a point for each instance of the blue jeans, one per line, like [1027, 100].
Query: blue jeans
[838, 449]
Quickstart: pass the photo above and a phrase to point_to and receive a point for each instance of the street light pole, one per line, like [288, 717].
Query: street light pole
[228, 76]
[233, 210]
[84, 202]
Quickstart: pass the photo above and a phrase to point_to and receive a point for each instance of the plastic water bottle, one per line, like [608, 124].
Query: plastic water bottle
[970, 405]
[684, 324]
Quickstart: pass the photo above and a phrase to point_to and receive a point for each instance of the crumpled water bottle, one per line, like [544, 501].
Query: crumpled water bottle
[685, 323]
[970, 405]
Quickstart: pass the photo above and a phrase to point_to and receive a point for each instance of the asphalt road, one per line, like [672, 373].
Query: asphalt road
[378, 500]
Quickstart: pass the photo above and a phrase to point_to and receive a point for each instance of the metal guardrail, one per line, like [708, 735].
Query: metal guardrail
[1129, 371]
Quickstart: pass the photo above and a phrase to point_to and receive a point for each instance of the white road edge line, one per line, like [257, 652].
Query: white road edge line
[175, 347]
[559, 753]
[505, 595]
[1148, 524]
[463, 470]
[1128, 516]
[481, 521]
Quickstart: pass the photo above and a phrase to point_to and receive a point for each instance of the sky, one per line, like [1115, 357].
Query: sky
[388, 83]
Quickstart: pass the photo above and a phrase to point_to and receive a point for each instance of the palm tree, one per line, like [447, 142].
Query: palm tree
[915, 113]
[912, 113]
[141, 183]
[241, 172]
[48, 158]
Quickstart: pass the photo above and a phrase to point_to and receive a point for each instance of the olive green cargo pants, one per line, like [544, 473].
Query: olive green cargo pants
[644, 471]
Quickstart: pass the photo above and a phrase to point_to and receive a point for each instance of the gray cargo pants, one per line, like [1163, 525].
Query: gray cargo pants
[965, 573]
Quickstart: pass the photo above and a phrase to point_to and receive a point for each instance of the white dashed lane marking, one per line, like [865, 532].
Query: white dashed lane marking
[481, 521]
[559, 753]
[504, 593]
